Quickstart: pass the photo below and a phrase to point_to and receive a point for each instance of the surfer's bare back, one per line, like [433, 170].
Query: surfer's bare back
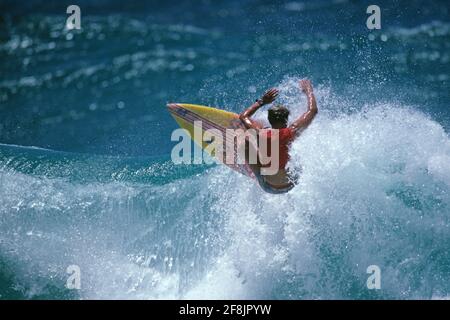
[278, 116]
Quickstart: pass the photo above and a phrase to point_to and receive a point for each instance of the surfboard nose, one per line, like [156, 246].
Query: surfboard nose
[172, 106]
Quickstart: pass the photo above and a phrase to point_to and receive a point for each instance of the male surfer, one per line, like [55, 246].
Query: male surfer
[278, 115]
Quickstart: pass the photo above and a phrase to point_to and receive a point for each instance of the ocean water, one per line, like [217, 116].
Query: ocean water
[86, 177]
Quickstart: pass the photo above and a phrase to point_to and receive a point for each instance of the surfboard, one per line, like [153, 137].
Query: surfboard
[205, 118]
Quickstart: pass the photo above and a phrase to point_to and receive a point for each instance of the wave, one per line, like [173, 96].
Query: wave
[431, 29]
[80, 167]
[374, 190]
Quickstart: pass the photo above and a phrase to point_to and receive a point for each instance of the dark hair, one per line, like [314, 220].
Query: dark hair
[278, 114]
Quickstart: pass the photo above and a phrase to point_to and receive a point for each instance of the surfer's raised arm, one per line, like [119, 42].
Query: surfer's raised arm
[267, 98]
[303, 122]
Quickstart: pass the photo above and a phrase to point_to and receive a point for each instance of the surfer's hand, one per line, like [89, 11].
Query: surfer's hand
[306, 86]
[269, 96]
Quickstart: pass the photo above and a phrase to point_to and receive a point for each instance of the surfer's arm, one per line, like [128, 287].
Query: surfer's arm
[245, 116]
[305, 120]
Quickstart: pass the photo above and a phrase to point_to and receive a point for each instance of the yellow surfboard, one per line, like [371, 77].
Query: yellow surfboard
[205, 118]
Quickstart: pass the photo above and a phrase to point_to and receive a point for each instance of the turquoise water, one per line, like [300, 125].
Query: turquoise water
[86, 177]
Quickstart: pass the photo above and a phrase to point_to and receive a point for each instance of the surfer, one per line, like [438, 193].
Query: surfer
[278, 115]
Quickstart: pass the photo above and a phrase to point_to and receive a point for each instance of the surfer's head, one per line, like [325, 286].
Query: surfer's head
[278, 116]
